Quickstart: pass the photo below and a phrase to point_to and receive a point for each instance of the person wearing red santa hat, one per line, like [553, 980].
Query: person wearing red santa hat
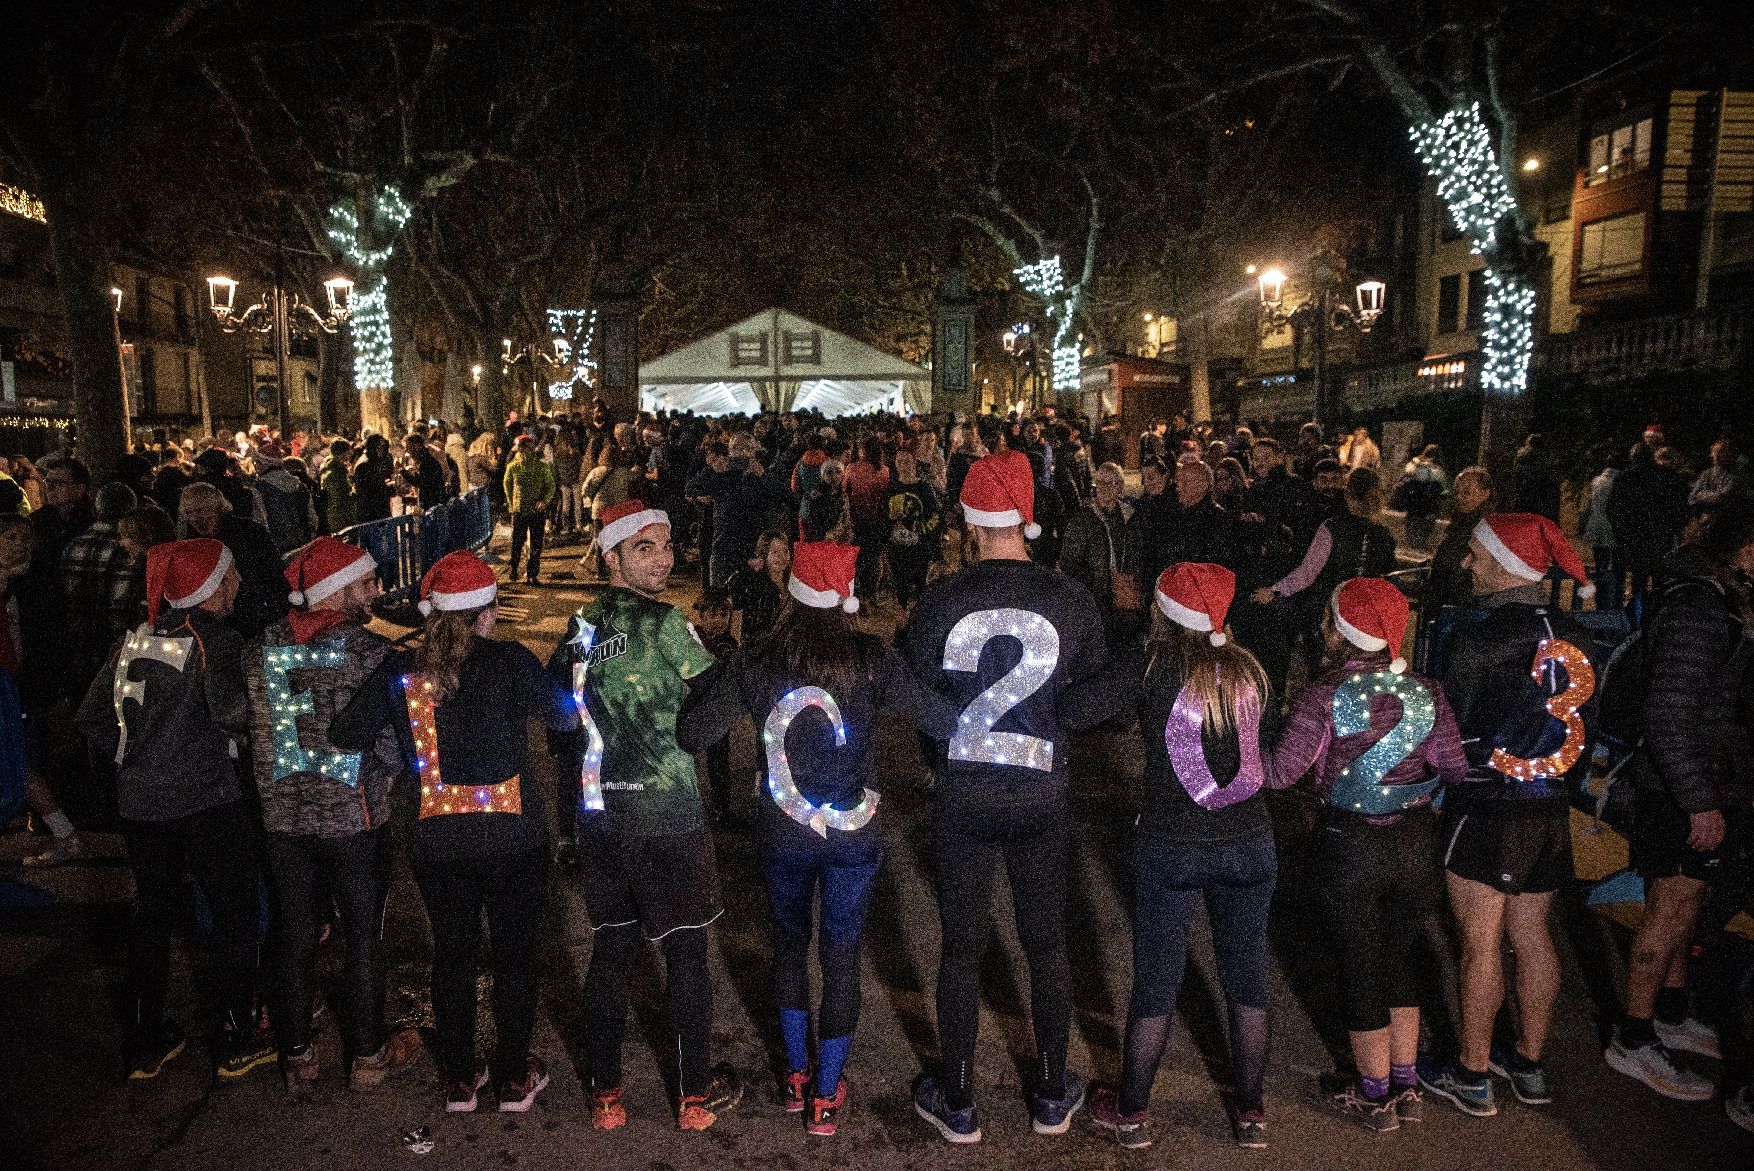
[1001, 639]
[325, 811]
[1375, 741]
[170, 714]
[813, 685]
[460, 705]
[1202, 835]
[646, 857]
[1522, 680]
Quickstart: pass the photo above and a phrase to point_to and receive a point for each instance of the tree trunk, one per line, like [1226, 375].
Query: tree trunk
[82, 272]
[1199, 353]
[490, 398]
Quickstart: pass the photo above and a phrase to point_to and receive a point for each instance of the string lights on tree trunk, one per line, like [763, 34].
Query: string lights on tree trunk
[374, 364]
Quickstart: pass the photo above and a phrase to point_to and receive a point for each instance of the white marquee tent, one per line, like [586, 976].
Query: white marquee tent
[778, 361]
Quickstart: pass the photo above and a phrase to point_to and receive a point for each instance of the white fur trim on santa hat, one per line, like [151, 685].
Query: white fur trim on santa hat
[467, 600]
[1183, 615]
[820, 599]
[360, 567]
[617, 531]
[1003, 519]
[207, 588]
[1501, 553]
[1355, 636]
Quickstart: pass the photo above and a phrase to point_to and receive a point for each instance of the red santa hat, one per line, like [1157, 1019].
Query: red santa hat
[822, 575]
[1197, 595]
[1371, 614]
[325, 567]
[999, 492]
[1527, 544]
[457, 581]
[623, 520]
[184, 573]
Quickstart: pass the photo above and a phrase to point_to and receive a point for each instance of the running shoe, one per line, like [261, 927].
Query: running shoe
[1528, 1079]
[1250, 1130]
[1379, 1117]
[244, 1051]
[1689, 1036]
[957, 1126]
[1740, 1108]
[395, 1054]
[460, 1097]
[58, 852]
[1446, 1080]
[301, 1066]
[1409, 1104]
[607, 1111]
[517, 1097]
[699, 1111]
[151, 1048]
[1054, 1115]
[1655, 1066]
[1132, 1131]
[824, 1116]
[795, 1090]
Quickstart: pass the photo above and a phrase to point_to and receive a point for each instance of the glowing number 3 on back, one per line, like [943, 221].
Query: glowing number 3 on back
[1580, 684]
[974, 738]
[1187, 752]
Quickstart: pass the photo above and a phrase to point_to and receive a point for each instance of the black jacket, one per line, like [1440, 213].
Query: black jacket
[1448, 583]
[262, 596]
[48, 675]
[1169, 532]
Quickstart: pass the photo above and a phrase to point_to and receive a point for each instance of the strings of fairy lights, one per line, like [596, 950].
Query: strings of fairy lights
[374, 359]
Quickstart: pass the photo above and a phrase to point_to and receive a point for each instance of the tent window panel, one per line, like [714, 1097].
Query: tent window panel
[802, 349]
[748, 349]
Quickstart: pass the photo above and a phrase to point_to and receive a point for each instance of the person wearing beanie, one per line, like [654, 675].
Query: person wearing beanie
[1521, 677]
[813, 686]
[325, 811]
[646, 857]
[1375, 741]
[1202, 835]
[1021, 632]
[460, 704]
[170, 714]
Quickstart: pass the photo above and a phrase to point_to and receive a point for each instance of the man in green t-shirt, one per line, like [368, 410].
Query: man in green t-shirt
[646, 857]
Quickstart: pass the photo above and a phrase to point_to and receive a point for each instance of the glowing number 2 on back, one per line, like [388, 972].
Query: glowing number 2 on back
[591, 774]
[1187, 752]
[974, 738]
[1580, 684]
[1359, 787]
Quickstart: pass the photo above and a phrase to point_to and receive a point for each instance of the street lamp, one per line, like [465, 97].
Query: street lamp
[283, 315]
[1321, 314]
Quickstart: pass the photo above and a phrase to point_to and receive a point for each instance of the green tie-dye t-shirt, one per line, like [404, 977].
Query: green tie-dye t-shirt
[641, 653]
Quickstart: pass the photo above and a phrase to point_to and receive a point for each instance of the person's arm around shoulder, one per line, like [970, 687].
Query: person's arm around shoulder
[222, 680]
[702, 725]
[898, 687]
[1303, 741]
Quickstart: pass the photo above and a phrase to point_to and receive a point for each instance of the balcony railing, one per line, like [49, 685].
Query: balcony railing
[1710, 339]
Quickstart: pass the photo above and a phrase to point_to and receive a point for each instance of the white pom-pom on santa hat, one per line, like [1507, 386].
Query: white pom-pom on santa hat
[1527, 545]
[999, 492]
[1371, 614]
[457, 581]
[822, 575]
[1196, 595]
[325, 567]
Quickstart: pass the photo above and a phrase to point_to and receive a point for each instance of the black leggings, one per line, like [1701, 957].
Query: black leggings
[350, 871]
[688, 996]
[509, 889]
[1031, 838]
[1376, 884]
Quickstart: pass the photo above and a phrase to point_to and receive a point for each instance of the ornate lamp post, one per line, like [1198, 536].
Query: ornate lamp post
[281, 314]
[1320, 314]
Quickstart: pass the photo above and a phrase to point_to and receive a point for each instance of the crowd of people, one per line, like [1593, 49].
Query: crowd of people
[1246, 612]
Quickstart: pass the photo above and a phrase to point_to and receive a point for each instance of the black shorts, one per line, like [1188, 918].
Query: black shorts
[1526, 852]
[1659, 841]
[662, 882]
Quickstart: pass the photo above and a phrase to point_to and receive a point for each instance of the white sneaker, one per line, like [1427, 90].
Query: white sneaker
[1690, 1036]
[1740, 1108]
[1655, 1066]
[57, 852]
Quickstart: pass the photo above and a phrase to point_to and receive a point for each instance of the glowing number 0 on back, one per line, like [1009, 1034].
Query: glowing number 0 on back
[1580, 684]
[974, 738]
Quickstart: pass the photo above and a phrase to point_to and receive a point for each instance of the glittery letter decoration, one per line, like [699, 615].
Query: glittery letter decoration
[285, 706]
[1359, 787]
[1187, 752]
[436, 797]
[141, 643]
[779, 770]
[1580, 684]
[974, 738]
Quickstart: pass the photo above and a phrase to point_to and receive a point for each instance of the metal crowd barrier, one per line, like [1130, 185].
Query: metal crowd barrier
[405, 547]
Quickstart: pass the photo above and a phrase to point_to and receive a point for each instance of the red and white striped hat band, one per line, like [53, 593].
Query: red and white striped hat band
[626, 519]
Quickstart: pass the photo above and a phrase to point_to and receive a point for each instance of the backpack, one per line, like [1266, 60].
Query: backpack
[1625, 679]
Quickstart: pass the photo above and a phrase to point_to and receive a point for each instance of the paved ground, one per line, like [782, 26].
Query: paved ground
[62, 1104]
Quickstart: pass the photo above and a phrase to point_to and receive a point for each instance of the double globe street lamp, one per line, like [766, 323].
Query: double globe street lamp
[1322, 313]
[282, 314]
